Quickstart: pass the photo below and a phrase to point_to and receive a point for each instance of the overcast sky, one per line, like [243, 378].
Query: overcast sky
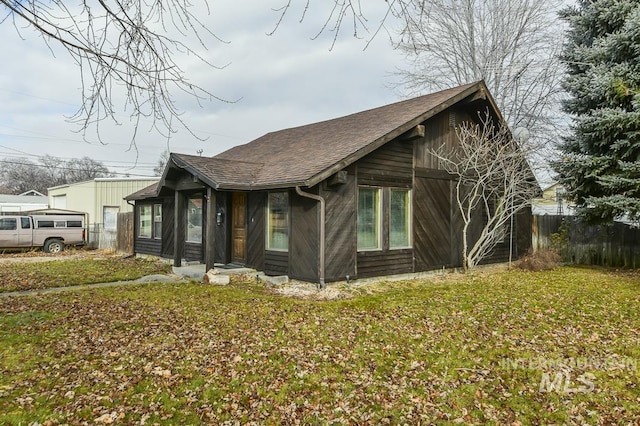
[282, 81]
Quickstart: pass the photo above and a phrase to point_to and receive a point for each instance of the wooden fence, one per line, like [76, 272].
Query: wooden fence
[124, 237]
[616, 245]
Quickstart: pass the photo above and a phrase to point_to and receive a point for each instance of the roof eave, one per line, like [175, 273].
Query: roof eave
[237, 186]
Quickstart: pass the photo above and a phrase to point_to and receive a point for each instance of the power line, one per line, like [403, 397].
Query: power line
[54, 167]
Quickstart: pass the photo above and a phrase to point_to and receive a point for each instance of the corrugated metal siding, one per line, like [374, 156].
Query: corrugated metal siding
[112, 193]
[92, 196]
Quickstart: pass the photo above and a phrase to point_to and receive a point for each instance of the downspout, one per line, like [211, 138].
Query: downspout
[322, 229]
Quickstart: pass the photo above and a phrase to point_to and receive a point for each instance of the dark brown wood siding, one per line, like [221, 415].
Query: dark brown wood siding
[148, 246]
[432, 225]
[391, 166]
[276, 262]
[304, 238]
[193, 252]
[223, 239]
[168, 216]
[439, 133]
[376, 263]
[256, 205]
[341, 205]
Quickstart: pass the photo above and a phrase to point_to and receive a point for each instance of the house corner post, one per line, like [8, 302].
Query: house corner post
[210, 237]
[178, 229]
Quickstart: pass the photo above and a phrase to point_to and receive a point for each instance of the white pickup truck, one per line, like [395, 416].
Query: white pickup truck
[51, 232]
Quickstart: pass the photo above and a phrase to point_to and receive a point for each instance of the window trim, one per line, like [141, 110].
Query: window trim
[268, 223]
[140, 210]
[195, 196]
[154, 216]
[409, 218]
[379, 221]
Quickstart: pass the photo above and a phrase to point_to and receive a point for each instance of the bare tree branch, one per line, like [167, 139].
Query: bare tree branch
[512, 45]
[127, 45]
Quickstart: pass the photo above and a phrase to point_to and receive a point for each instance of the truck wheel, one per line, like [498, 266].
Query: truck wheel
[53, 246]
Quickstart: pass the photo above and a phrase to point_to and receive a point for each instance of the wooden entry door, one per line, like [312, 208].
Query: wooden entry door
[238, 227]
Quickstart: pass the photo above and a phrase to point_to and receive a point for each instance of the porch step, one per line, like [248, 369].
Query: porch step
[196, 271]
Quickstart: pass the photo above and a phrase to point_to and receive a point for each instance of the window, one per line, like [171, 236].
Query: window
[60, 224]
[278, 221]
[25, 223]
[144, 224]
[194, 219]
[399, 218]
[384, 212]
[369, 223]
[110, 218]
[74, 224]
[8, 224]
[157, 221]
[59, 201]
[45, 224]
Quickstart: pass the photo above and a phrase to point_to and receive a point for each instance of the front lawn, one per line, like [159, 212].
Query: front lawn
[502, 348]
[28, 275]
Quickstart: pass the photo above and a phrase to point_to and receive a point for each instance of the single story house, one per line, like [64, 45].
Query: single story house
[102, 199]
[352, 197]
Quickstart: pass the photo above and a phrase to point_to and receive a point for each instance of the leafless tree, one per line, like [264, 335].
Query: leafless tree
[351, 14]
[162, 162]
[512, 45]
[22, 174]
[494, 182]
[81, 169]
[128, 45]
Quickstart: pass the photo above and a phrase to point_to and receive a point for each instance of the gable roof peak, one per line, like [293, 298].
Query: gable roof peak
[307, 154]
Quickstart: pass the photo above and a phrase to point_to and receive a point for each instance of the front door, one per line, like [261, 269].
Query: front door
[238, 227]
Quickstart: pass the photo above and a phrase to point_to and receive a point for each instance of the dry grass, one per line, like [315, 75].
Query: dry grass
[466, 349]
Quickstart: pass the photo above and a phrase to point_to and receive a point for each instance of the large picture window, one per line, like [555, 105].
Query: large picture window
[384, 212]
[369, 223]
[399, 218]
[194, 219]
[278, 221]
[144, 224]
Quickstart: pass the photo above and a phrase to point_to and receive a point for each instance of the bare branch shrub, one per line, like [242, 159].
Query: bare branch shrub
[493, 183]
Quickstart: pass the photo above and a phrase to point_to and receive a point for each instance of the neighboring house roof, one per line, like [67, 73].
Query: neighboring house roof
[33, 192]
[23, 199]
[308, 154]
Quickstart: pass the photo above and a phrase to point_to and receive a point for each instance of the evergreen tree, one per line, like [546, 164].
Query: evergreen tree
[600, 161]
